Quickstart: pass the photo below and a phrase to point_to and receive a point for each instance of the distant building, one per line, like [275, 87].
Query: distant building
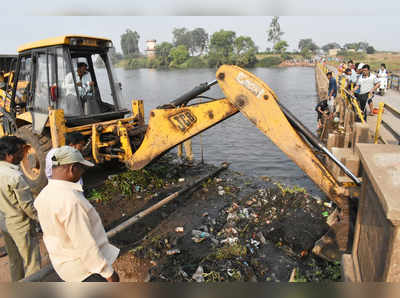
[333, 52]
[151, 48]
[351, 50]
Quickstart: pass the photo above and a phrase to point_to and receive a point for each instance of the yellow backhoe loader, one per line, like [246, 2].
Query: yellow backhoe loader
[45, 100]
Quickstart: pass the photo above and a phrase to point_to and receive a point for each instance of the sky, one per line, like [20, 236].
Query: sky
[342, 21]
[322, 29]
[201, 7]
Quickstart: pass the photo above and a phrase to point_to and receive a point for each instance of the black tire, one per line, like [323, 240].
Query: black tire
[34, 163]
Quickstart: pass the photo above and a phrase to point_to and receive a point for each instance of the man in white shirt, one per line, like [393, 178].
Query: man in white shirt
[73, 139]
[367, 84]
[72, 229]
[382, 77]
[83, 80]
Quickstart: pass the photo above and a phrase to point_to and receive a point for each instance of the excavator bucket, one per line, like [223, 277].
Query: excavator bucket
[170, 127]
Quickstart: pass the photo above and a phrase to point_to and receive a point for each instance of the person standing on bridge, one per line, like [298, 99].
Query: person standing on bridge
[17, 212]
[332, 92]
[367, 85]
[72, 229]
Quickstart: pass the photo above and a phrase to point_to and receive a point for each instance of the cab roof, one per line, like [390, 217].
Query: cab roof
[60, 40]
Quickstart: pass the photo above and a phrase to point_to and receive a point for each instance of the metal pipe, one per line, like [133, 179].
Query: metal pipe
[42, 273]
[188, 96]
[161, 203]
[314, 141]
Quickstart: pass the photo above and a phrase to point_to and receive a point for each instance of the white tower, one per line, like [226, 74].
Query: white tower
[151, 48]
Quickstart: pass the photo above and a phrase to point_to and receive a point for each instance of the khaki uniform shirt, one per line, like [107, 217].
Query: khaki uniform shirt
[16, 201]
[73, 233]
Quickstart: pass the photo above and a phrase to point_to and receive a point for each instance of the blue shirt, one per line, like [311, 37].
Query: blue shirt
[332, 86]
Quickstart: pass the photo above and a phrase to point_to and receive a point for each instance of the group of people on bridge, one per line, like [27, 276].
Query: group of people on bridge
[360, 82]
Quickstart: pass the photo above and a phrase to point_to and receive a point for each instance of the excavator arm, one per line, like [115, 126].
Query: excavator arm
[174, 123]
[260, 105]
[170, 125]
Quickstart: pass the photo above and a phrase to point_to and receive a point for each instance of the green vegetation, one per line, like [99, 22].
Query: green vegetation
[392, 60]
[198, 49]
[290, 190]
[127, 183]
[269, 61]
[355, 56]
[230, 251]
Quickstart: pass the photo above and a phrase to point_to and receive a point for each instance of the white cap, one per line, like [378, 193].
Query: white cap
[360, 66]
[68, 155]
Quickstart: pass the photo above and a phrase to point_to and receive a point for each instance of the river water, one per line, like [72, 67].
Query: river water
[235, 140]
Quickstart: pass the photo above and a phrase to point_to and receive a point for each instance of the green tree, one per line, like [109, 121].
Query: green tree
[370, 50]
[181, 36]
[130, 43]
[281, 47]
[362, 45]
[221, 48]
[162, 53]
[195, 41]
[199, 38]
[274, 32]
[306, 53]
[222, 41]
[308, 44]
[330, 46]
[245, 51]
[178, 55]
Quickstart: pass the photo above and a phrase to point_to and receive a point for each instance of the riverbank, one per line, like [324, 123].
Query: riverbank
[260, 60]
[234, 227]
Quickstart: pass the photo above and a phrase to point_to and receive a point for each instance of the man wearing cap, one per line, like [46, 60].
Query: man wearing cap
[72, 229]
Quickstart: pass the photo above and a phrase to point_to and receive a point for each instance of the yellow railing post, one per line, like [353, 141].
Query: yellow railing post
[356, 106]
[359, 112]
[379, 121]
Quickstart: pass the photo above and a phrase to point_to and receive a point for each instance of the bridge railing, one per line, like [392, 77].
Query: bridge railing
[394, 81]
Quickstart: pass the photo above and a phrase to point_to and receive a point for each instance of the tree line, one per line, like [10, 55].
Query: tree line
[196, 48]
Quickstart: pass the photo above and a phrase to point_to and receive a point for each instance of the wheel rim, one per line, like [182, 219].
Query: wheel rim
[31, 164]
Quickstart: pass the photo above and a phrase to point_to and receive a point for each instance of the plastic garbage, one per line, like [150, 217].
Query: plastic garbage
[173, 251]
[200, 234]
[179, 229]
[198, 275]
[230, 240]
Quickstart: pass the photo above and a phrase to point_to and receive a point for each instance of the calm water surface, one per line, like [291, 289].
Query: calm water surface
[235, 140]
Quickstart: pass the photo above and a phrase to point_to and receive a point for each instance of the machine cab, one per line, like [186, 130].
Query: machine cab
[47, 76]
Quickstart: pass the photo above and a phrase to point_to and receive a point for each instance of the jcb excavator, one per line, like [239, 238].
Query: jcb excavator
[41, 105]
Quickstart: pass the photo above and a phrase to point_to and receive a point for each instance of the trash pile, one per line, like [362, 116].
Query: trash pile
[249, 231]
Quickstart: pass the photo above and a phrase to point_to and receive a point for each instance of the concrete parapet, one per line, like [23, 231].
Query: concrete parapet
[348, 158]
[321, 82]
[376, 248]
[361, 134]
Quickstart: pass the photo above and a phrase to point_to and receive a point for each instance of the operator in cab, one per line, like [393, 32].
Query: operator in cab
[83, 80]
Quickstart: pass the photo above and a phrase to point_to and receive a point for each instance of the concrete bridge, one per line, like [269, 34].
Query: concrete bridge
[371, 152]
